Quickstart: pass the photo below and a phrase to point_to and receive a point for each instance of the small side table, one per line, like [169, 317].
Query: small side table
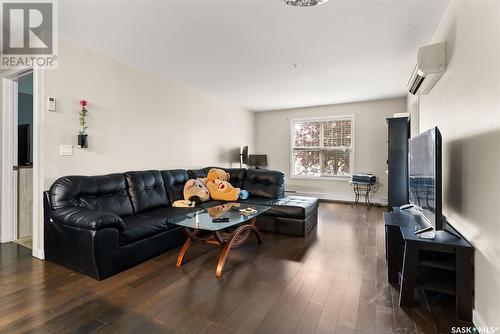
[362, 188]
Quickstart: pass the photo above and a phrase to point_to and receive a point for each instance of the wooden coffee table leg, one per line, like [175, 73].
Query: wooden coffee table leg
[229, 244]
[190, 236]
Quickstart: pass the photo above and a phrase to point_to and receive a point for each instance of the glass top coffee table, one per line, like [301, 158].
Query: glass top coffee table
[226, 224]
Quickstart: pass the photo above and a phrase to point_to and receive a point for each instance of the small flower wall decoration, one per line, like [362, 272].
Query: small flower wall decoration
[82, 136]
[83, 117]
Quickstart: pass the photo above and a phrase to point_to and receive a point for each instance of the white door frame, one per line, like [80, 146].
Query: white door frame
[9, 159]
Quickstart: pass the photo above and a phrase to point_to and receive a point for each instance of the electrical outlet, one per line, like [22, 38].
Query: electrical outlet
[65, 150]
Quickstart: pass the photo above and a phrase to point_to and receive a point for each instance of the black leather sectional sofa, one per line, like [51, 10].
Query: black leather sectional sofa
[101, 225]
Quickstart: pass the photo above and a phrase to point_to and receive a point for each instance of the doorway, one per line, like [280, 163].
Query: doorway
[25, 161]
[17, 154]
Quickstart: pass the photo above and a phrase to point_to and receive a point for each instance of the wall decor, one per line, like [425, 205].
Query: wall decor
[83, 136]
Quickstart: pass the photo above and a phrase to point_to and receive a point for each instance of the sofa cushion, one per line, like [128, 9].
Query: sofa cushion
[103, 193]
[174, 183]
[147, 190]
[297, 207]
[141, 226]
[237, 176]
[167, 213]
[265, 183]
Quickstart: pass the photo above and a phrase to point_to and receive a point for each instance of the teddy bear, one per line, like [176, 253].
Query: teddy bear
[220, 189]
[196, 191]
[217, 174]
[223, 191]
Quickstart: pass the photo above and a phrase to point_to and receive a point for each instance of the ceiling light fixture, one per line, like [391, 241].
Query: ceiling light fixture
[304, 3]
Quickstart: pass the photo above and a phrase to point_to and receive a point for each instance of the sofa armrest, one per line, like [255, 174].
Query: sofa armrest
[87, 218]
[93, 253]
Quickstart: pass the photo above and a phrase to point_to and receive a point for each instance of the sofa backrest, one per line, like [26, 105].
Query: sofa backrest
[147, 190]
[237, 176]
[198, 173]
[174, 183]
[135, 192]
[104, 193]
[265, 183]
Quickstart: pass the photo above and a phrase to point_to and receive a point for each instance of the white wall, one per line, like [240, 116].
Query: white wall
[465, 105]
[412, 106]
[136, 120]
[273, 139]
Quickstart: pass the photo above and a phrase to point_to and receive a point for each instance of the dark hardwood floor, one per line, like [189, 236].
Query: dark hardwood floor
[333, 281]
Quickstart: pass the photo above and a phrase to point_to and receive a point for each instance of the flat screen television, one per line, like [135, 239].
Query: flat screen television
[425, 189]
[257, 160]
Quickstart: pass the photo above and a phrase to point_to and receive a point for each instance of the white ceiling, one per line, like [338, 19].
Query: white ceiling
[245, 50]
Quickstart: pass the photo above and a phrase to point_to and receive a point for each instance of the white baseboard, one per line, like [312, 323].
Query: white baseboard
[3, 241]
[477, 320]
[339, 197]
[39, 254]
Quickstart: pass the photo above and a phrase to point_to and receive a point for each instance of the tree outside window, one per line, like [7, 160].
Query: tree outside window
[322, 148]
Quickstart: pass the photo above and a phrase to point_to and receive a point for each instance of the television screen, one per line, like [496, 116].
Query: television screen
[424, 164]
[258, 160]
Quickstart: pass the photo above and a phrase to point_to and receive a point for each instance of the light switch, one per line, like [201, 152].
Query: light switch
[51, 104]
[66, 150]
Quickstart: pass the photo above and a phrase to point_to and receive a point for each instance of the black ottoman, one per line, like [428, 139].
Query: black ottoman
[294, 215]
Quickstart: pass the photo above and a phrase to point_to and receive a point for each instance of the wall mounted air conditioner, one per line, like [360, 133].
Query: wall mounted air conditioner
[431, 63]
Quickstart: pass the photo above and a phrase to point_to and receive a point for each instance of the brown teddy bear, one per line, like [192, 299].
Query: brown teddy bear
[217, 174]
[223, 191]
[219, 187]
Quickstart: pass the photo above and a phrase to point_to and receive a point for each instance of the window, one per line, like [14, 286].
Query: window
[322, 147]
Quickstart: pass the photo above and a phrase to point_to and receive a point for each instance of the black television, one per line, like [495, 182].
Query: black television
[257, 160]
[424, 177]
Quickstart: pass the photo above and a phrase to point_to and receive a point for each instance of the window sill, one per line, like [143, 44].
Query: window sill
[321, 178]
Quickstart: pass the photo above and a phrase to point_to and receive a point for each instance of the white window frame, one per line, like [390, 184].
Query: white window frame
[321, 147]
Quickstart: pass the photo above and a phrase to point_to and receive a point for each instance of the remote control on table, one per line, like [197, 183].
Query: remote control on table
[220, 220]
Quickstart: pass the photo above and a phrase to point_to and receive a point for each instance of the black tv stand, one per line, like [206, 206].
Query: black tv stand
[443, 264]
[420, 228]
